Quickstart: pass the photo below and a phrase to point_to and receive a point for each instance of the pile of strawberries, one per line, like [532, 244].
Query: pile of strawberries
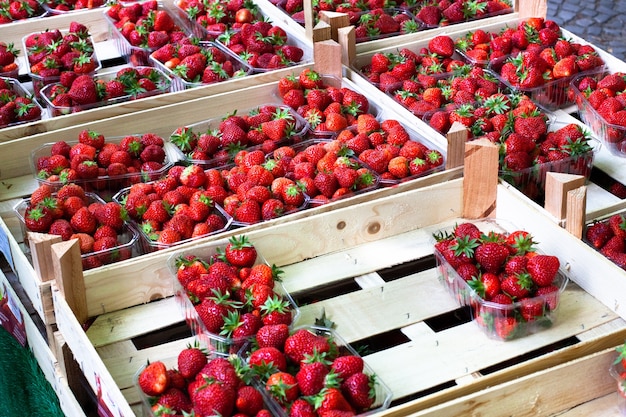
[60, 6]
[217, 17]
[8, 63]
[177, 207]
[12, 10]
[203, 63]
[481, 47]
[145, 26]
[325, 170]
[386, 147]
[609, 238]
[75, 92]
[605, 95]
[326, 107]
[73, 214]
[52, 52]
[389, 70]
[201, 383]
[380, 23]
[263, 45]
[520, 284]
[98, 164]
[310, 371]
[15, 105]
[233, 294]
[216, 142]
[463, 87]
[442, 13]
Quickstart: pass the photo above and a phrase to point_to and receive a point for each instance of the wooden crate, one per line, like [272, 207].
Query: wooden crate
[356, 264]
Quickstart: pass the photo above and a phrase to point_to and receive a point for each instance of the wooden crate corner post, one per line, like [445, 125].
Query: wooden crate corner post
[480, 179]
[68, 269]
[327, 57]
[456, 138]
[566, 199]
[531, 8]
[40, 244]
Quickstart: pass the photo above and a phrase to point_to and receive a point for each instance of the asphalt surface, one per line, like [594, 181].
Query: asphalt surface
[600, 22]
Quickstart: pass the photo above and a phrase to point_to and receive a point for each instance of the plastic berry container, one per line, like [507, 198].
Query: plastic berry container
[532, 181]
[611, 135]
[218, 342]
[220, 56]
[382, 395]
[147, 240]
[163, 85]
[500, 321]
[128, 240]
[105, 186]
[21, 91]
[170, 361]
[299, 128]
[38, 81]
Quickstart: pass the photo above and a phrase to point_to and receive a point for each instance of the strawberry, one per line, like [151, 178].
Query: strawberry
[240, 252]
[272, 335]
[214, 398]
[311, 376]
[83, 90]
[268, 357]
[517, 286]
[491, 256]
[346, 365]
[543, 269]
[358, 390]
[442, 45]
[191, 360]
[283, 387]
[303, 342]
[153, 379]
[249, 401]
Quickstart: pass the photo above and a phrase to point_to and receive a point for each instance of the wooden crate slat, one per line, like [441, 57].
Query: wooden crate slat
[437, 359]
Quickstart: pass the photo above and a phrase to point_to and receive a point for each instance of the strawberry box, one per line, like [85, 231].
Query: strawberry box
[122, 85]
[219, 300]
[204, 23]
[155, 162]
[592, 111]
[19, 106]
[526, 72]
[434, 14]
[572, 156]
[20, 10]
[51, 53]
[511, 289]
[326, 170]
[211, 144]
[382, 23]
[216, 379]
[216, 64]
[138, 29]
[93, 254]
[606, 235]
[359, 389]
[10, 65]
[150, 233]
[61, 7]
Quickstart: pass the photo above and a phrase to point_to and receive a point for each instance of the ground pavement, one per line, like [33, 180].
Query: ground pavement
[600, 22]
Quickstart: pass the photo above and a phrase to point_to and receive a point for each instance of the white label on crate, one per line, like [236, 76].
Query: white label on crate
[5, 248]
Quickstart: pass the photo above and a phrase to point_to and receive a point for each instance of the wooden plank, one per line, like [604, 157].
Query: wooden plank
[576, 203]
[537, 394]
[557, 187]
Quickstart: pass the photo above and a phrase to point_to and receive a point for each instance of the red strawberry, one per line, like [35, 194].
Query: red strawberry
[442, 45]
[153, 379]
[543, 269]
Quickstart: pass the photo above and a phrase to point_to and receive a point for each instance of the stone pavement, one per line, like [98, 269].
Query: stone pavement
[600, 22]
